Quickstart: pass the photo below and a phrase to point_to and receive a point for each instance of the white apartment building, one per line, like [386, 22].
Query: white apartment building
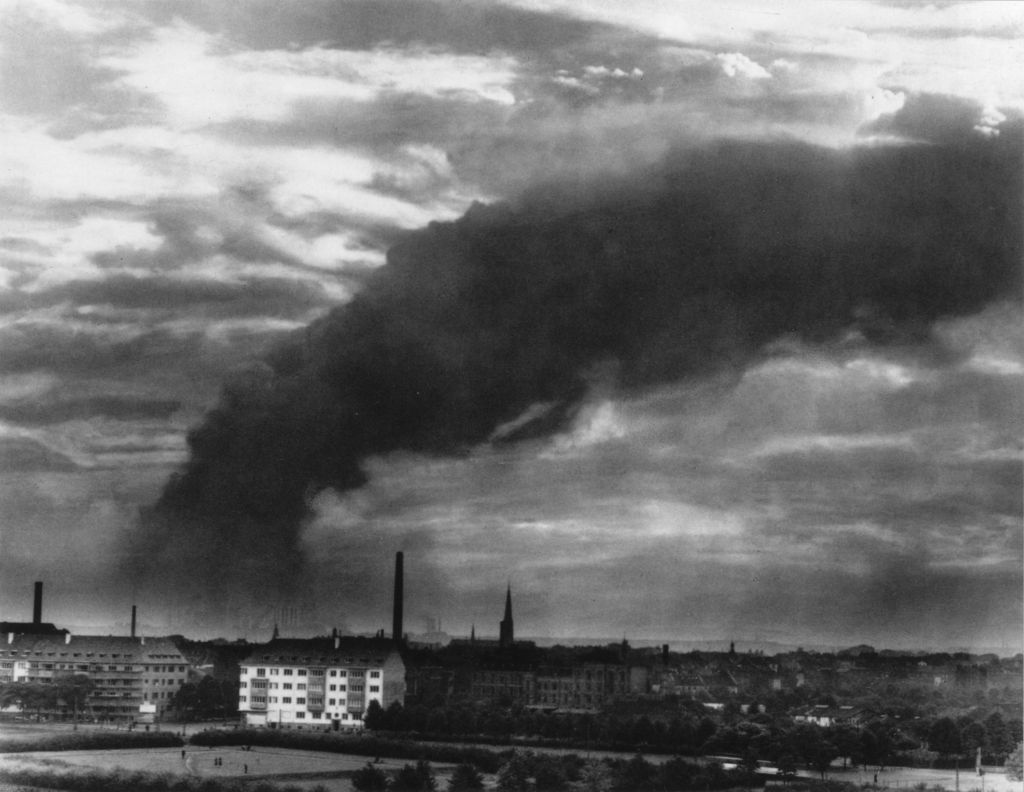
[319, 683]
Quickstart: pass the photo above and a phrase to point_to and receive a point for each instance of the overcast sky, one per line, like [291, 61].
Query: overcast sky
[186, 186]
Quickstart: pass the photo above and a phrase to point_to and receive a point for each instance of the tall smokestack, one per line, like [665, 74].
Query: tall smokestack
[133, 621]
[396, 620]
[37, 604]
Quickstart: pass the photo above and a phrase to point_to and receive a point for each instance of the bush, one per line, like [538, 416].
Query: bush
[369, 779]
[465, 779]
[123, 781]
[93, 741]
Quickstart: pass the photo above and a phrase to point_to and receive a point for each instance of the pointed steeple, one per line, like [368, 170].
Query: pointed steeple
[276, 634]
[472, 634]
[506, 629]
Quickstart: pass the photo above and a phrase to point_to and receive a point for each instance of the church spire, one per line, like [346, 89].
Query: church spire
[506, 628]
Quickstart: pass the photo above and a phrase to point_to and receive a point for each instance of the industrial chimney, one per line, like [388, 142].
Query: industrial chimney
[37, 604]
[396, 620]
[133, 621]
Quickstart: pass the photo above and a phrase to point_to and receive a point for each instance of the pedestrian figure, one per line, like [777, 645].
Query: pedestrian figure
[245, 769]
[182, 753]
[876, 778]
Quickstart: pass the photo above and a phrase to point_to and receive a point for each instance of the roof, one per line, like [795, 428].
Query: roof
[93, 647]
[322, 651]
[30, 628]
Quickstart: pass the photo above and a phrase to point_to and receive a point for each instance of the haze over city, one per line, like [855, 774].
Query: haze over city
[690, 322]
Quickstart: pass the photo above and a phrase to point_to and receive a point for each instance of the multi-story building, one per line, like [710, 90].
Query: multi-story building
[582, 686]
[132, 677]
[319, 682]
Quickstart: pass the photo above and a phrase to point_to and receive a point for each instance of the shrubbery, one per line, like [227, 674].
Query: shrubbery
[123, 781]
[92, 741]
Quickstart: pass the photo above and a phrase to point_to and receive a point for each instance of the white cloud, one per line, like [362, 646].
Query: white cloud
[736, 64]
[201, 80]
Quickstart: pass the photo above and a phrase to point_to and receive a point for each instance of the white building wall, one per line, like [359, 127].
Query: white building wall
[288, 695]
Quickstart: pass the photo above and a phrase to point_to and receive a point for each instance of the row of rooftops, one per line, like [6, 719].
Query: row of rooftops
[95, 647]
[338, 651]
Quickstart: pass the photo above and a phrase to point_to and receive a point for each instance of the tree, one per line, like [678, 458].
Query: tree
[844, 737]
[944, 738]
[595, 777]
[369, 779]
[75, 691]
[635, 774]
[374, 717]
[414, 779]
[822, 756]
[465, 778]
[549, 774]
[1015, 764]
[29, 696]
[514, 775]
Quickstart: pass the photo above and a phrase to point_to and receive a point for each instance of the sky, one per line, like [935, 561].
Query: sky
[687, 321]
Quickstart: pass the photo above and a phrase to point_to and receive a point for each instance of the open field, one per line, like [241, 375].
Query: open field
[298, 768]
[333, 771]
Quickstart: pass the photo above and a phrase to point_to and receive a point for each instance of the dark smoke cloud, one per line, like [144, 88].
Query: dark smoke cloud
[688, 269]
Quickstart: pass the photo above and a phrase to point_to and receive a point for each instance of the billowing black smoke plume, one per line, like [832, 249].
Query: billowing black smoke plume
[691, 267]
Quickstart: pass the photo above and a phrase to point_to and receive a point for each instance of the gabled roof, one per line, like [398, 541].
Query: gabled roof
[92, 647]
[322, 651]
[30, 628]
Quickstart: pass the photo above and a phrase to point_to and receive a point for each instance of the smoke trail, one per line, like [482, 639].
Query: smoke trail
[473, 324]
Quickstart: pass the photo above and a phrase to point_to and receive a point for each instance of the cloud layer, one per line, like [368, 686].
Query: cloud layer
[189, 185]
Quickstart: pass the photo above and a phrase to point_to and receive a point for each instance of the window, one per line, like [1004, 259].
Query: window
[342, 673]
[316, 716]
[332, 702]
[300, 701]
[243, 684]
[334, 687]
[261, 672]
[375, 688]
[286, 700]
[300, 715]
[275, 671]
[300, 686]
[357, 688]
[287, 672]
[341, 688]
[286, 685]
[301, 672]
[334, 673]
[375, 675]
[273, 699]
[273, 685]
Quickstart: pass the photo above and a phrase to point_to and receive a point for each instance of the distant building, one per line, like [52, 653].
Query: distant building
[319, 682]
[35, 627]
[825, 715]
[132, 676]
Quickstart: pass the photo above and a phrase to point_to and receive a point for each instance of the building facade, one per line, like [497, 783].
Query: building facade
[132, 677]
[319, 682]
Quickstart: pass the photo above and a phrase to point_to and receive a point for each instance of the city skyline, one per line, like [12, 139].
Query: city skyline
[694, 322]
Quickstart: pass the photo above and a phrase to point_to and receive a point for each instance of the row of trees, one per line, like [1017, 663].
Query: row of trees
[774, 737]
[65, 694]
[525, 770]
